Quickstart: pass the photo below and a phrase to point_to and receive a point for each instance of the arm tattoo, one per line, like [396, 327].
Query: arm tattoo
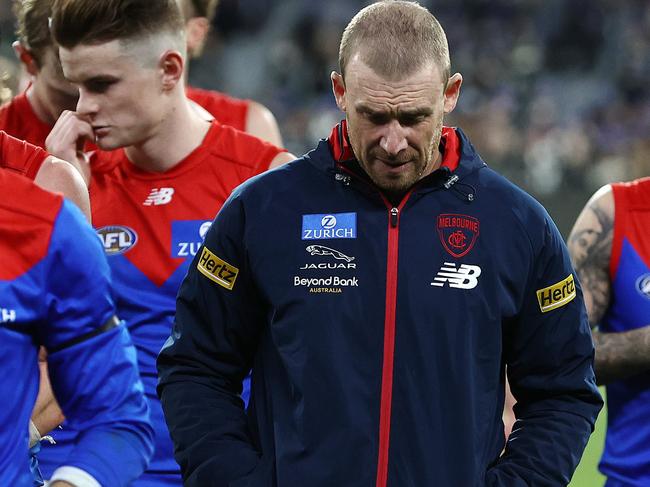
[620, 355]
[590, 252]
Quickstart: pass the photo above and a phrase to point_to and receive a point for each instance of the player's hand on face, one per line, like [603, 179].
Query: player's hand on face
[67, 139]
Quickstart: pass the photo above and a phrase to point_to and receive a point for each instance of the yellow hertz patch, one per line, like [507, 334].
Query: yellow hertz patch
[556, 295]
[217, 270]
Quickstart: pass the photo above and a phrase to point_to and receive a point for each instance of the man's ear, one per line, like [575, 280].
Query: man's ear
[452, 92]
[26, 58]
[171, 65]
[338, 88]
[196, 33]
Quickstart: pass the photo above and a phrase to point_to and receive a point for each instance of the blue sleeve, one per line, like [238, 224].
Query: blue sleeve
[33, 465]
[91, 359]
[549, 354]
[203, 363]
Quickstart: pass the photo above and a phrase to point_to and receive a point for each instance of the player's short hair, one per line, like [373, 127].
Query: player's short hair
[33, 31]
[395, 38]
[76, 22]
[199, 8]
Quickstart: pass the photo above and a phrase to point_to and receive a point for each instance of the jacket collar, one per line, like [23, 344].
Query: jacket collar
[341, 149]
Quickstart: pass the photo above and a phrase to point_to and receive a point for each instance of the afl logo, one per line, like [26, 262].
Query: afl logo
[203, 229]
[328, 221]
[643, 285]
[117, 239]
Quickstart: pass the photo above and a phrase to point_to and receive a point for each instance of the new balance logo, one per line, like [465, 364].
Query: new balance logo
[159, 196]
[466, 277]
[7, 315]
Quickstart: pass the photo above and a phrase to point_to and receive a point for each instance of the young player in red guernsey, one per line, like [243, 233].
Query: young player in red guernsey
[31, 114]
[153, 197]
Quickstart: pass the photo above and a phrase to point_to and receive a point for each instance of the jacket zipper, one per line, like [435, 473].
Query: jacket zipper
[386, 401]
[389, 340]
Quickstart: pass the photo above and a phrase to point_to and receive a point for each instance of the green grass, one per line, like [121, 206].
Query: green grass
[587, 474]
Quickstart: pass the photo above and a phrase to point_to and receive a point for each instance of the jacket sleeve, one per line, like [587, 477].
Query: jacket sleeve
[549, 354]
[219, 316]
[91, 359]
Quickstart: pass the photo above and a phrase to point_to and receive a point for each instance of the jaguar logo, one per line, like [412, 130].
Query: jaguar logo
[322, 250]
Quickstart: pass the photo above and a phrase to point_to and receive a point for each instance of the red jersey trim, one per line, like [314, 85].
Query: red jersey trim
[620, 222]
[628, 197]
[20, 156]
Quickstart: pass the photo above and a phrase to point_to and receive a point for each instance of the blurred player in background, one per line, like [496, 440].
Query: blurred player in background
[169, 170]
[610, 248]
[55, 292]
[245, 115]
[32, 113]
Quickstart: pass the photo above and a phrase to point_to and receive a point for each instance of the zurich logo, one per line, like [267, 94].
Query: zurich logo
[328, 221]
[329, 226]
[643, 285]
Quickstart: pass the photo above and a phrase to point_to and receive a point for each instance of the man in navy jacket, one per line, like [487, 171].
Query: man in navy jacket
[378, 287]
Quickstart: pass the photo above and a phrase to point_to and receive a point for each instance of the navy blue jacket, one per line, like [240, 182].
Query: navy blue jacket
[379, 334]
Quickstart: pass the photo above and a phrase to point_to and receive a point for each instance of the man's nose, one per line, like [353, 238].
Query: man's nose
[393, 139]
[86, 104]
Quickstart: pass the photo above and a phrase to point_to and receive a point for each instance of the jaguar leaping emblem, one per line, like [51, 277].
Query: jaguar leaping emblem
[322, 250]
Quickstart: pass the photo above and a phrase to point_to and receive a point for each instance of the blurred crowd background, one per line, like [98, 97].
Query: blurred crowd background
[556, 93]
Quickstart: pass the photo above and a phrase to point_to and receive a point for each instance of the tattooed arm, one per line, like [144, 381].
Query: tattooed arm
[618, 355]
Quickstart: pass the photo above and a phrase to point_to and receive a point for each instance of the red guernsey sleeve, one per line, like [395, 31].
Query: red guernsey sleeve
[20, 156]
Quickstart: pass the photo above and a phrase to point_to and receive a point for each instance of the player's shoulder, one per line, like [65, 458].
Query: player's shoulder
[634, 193]
[27, 219]
[27, 198]
[214, 98]
[228, 143]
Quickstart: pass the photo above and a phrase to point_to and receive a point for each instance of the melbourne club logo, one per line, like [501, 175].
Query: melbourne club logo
[464, 277]
[159, 196]
[458, 233]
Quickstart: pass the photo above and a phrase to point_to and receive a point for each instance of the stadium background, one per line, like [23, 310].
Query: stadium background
[556, 93]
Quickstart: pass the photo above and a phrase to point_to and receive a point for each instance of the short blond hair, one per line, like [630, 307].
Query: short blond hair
[395, 38]
[199, 8]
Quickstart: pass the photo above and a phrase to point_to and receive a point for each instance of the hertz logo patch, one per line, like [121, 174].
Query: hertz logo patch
[217, 270]
[556, 295]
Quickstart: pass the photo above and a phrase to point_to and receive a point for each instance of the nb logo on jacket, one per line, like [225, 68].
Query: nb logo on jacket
[465, 277]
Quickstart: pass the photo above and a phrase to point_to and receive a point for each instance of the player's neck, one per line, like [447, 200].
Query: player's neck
[34, 97]
[175, 138]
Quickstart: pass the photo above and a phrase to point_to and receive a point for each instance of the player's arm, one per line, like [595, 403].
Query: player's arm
[261, 123]
[618, 355]
[201, 367]
[549, 355]
[60, 176]
[66, 141]
[92, 362]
